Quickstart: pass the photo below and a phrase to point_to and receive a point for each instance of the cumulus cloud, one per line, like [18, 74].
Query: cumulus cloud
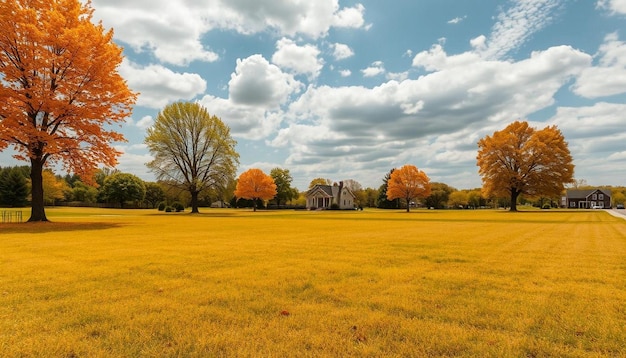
[433, 121]
[172, 31]
[167, 29]
[256, 82]
[145, 122]
[609, 76]
[602, 120]
[257, 90]
[596, 139]
[289, 17]
[375, 69]
[342, 51]
[298, 59]
[158, 85]
[350, 17]
[133, 160]
[615, 6]
[249, 122]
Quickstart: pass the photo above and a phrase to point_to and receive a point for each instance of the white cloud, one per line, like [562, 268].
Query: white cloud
[432, 59]
[479, 43]
[456, 20]
[398, 76]
[609, 77]
[516, 25]
[172, 30]
[345, 73]
[158, 85]
[342, 51]
[256, 82]
[377, 68]
[133, 160]
[299, 59]
[249, 122]
[615, 6]
[602, 120]
[433, 121]
[351, 17]
[617, 157]
[596, 139]
[257, 89]
[145, 122]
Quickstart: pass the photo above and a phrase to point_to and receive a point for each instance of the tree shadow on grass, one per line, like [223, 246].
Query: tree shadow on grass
[199, 215]
[46, 227]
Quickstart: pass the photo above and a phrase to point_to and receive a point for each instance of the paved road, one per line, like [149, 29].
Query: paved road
[617, 213]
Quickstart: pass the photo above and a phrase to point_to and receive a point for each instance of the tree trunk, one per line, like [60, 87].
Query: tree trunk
[194, 202]
[408, 205]
[37, 209]
[514, 194]
[254, 204]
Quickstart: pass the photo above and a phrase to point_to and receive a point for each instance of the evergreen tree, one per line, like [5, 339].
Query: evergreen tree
[13, 187]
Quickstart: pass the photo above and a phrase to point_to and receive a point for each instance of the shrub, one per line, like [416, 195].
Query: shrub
[546, 206]
[334, 206]
[178, 207]
[162, 206]
[169, 209]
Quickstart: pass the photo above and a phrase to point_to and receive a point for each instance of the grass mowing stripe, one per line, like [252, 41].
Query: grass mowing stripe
[102, 282]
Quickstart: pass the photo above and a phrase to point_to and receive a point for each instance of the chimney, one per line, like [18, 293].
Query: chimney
[339, 196]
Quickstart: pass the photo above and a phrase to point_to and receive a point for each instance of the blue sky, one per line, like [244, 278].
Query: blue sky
[351, 89]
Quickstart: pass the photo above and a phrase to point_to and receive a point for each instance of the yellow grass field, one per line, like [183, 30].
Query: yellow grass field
[113, 283]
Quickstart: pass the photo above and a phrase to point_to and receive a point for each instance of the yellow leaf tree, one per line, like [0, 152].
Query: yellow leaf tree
[408, 183]
[60, 90]
[193, 150]
[523, 160]
[253, 184]
[54, 188]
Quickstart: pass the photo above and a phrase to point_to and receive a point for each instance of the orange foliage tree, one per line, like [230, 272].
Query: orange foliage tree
[522, 160]
[59, 89]
[408, 183]
[253, 184]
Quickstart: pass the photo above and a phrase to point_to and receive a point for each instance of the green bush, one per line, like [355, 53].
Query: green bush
[162, 206]
[178, 207]
[169, 209]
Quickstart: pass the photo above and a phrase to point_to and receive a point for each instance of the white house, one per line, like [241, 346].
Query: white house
[324, 196]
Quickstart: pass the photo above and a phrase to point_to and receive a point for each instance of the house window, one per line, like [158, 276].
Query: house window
[601, 196]
[572, 204]
[594, 196]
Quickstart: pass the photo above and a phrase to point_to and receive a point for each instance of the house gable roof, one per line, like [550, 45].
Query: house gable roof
[328, 191]
[583, 194]
[324, 190]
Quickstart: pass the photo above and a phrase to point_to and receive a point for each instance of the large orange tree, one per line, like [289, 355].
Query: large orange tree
[60, 90]
[523, 160]
[408, 183]
[253, 184]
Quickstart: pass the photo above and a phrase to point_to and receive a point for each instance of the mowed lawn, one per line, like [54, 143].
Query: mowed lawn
[112, 283]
